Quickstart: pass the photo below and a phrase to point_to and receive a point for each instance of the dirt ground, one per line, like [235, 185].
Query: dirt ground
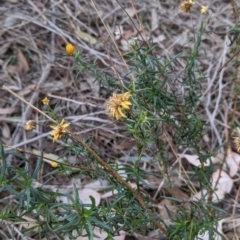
[33, 64]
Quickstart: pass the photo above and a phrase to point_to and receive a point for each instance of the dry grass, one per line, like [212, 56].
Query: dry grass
[33, 35]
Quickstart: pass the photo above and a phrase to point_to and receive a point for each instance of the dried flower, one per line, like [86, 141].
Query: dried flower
[237, 138]
[45, 101]
[186, 6]
[203, 9]
[117, 103]
[59, 130]
[30, 125]
[70, 49]
[54, 164]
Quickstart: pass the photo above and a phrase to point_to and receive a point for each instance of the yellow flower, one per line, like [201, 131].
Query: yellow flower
[30, 125]
[237, 139]
[70, 49]
[59, 130]
[186, 6]
[54, 164]
[203, 9]
[45, 101]
[117, 103]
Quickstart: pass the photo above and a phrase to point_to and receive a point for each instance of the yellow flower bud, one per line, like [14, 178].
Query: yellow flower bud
[70, 49]
[54, 164]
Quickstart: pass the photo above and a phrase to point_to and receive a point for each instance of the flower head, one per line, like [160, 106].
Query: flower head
[117, 103]
[186, 6]
[45, 101]
[30, 125]
[70, 49]
[203, 9]
[54, 164]
[59, 130]
[237, 139]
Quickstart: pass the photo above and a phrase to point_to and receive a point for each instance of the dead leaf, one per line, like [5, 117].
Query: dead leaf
[109, 194]
[4, 111]
[54, 85]
[154, 19]
[85, 193]
[224, 185]
[23, 66]
[233, 224]
[130, 11]
[125, 144]
[233, 161]
[180, 194]
[28, 89]
[165, 203]
[126, 44]
[159, 38]
[98, 184]
[205, 235]
[200, 195]
[4, 48]
[121, 236]
[102, 235]
[30, 223]
[128, 34]
[10, 21]
[194, 159]
[49, 157]
[6, 133]
[95, 87]
[39, 4]
[114, 192]
[86, 37]
[118, 32]
[13, 1]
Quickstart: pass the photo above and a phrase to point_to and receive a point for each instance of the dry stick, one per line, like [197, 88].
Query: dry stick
[105, 165]
[112, 39]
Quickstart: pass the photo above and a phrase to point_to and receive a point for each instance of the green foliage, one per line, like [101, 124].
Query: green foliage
[164, 100]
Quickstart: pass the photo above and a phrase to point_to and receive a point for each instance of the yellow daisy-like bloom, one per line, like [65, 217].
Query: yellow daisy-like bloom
[45, 101]
[70, 49]
[59, 130]
[117, 103]
[30, 125]
[237, 139]
[203, 9]
[186, 6]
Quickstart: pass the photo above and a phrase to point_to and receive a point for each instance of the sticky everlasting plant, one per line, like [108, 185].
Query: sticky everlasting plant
[158, 106]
